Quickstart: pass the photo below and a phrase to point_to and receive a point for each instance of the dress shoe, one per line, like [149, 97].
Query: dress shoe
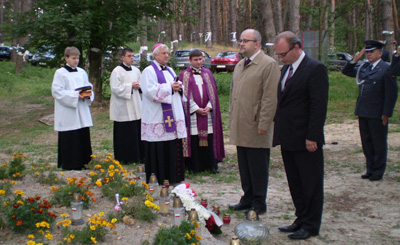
[375, 178]
[366, 176]
[291, 228]
[239, 207]
[300, 235]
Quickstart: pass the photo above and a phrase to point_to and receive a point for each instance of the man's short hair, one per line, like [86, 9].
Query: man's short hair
[157, 50]
[126, 50]
[290, 38]
[195, 53]
[71, 51]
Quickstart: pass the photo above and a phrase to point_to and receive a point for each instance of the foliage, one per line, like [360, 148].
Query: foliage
[94, 230]
[24, 214]
[185, 233]
[15, 168]
[63, 194]
[45, 174]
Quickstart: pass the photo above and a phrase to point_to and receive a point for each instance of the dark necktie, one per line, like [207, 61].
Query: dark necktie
[290, 74]
[371, 67]
[163, 68]
[246, 62]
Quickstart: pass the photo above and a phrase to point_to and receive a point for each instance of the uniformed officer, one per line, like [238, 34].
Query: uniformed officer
[377, 95]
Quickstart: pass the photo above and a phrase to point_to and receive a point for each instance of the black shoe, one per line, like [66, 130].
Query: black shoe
[291, 228]
[366, 176]
[259, 211]
[375, 178]
[239, 207]
[301, 235]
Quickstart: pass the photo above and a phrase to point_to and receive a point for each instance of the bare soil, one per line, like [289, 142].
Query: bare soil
[356, 211]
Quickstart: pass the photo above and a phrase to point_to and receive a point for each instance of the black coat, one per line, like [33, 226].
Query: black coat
[302, 107]
[378, 94]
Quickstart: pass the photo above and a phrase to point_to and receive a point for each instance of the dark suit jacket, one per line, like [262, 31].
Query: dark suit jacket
[302, 106]
[395, 65]
[378, 94]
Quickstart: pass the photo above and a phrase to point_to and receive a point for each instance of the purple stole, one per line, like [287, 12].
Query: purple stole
[209, 94]
[168, 116]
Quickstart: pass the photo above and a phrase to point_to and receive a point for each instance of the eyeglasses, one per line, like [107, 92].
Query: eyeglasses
[284, 54]
[246, 41]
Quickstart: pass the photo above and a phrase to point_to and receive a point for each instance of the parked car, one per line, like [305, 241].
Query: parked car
[337, 61]
[226, 61]
[5, 52]
[136, 61]
[44, 56]
[181, 58]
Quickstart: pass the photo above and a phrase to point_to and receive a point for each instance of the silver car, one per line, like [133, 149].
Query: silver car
[181, 58]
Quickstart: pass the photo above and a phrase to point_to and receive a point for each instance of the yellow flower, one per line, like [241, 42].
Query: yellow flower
[5, 165]
[37, 173]
[199, 237]
[2, 192]
[33, 167]
[131, 182]
[93, 240]
[18, 192]
[20, 202]
[13, 182]
[31, 236]
[92, 156]
[125, 199]
[44, 187]
[111, 166]
[111, 174]
[193, 232]
[49, 236]
[195, 224]
[101, 214]
[92, 173]
[98, 183]
[67, 223]
[113, 220]
[64, 215]
[188, 236]
[62, 173]
[31, 243]
[93, 228]
[72, 236]
[41, 231]
[102, 170]
[97, 166]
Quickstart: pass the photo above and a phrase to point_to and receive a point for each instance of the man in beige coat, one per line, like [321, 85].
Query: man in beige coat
[252, 108]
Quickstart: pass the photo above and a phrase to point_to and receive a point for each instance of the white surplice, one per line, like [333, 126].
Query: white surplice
[126, 104]
[153, 128]
[70, 112]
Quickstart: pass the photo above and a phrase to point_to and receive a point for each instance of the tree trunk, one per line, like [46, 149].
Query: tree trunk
[214, 21]
[269, 26]
[285, 12]
[19, 64]
[294, 17]
[95, 58]
[143, 43]
[207, 19]
[368, 20]
[310, 16]
[233, 15]
[192, 28]
[354, 48]
[174, 35]
[396, 22]
[278, 16]
[387, 19]
[201, 29]
[1, 22]
[332, 26]
[226, 22]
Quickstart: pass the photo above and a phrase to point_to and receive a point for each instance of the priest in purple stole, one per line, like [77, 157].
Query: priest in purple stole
[163, 119]
[204, 146]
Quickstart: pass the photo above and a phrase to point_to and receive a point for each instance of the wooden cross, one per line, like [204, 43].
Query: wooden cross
[169, 121]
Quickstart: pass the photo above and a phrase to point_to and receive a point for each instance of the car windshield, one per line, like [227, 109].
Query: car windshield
[182, 54]
[227, 54]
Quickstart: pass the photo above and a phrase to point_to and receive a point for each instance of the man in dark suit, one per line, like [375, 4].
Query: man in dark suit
[299, 129]
[377, 95]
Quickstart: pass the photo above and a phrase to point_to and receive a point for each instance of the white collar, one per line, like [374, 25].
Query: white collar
[254, 55]
[375, 63]
[296, 64]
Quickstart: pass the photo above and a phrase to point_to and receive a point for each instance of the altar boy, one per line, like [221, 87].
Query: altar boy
[73, 95]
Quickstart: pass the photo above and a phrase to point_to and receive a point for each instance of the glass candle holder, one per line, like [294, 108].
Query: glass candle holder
[77, 209]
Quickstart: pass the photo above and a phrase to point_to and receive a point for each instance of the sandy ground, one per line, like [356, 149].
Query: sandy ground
[356, 211]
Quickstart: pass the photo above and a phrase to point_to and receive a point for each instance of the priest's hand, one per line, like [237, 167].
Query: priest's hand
[201, 111]
[176, 86]
[207, 109]
[262, 132]
[136, 85]
[311, 145]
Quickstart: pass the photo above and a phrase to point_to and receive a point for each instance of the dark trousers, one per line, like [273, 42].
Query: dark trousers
[74, 149]
[305, 175]
[128, 148]
[202, 157]
[253, 168]
[374, 143]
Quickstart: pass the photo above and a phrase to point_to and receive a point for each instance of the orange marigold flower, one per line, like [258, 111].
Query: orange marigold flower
[93, 200]
[40, 211]
[19, 223]
[15, 206]
[14, 217]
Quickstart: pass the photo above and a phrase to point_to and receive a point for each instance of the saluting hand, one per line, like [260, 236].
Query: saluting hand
[359, 55]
